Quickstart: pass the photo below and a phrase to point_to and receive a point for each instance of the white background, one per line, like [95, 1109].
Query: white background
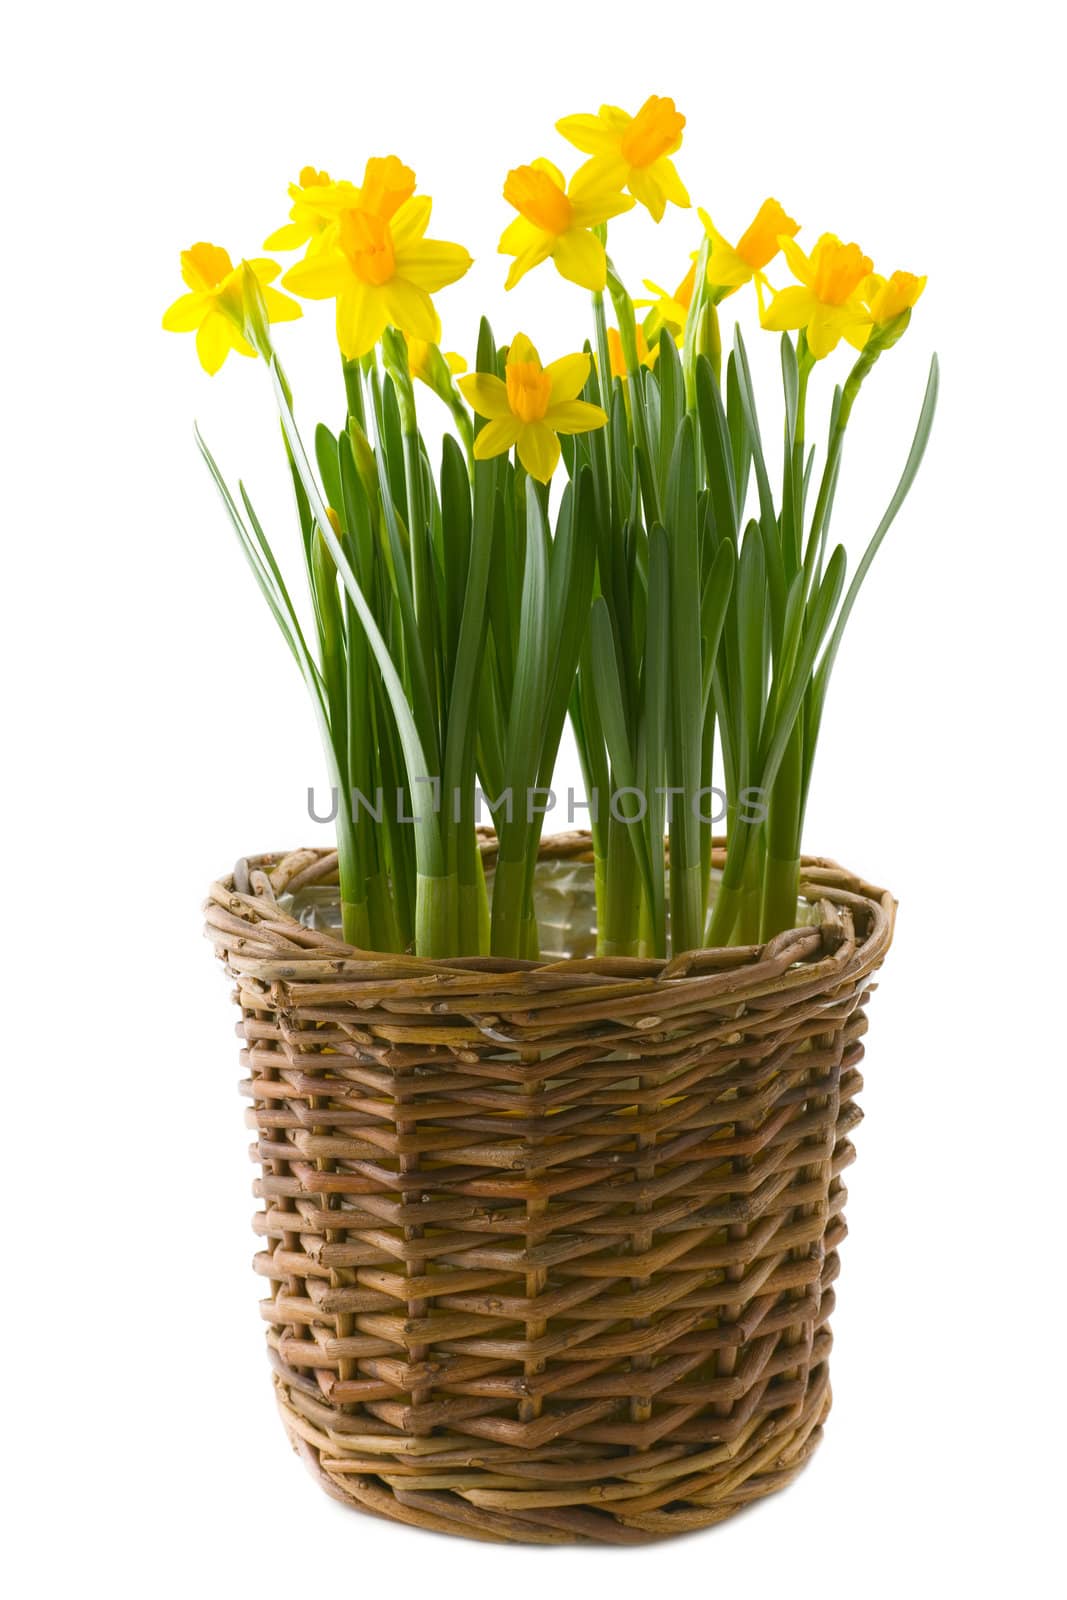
[156, 730]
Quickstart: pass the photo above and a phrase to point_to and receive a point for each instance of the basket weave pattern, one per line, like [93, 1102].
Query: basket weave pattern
[550, 1246]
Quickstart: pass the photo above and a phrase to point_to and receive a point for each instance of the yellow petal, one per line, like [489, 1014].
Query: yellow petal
[615, 118]
[568, 376]
[279, 306]
[485, 394]
[603, 175]
[215, 338]
[518, 236]
[411, 309]
[590, 134]
[454, 361]
[671, 184]
[579, 256]
[709, 227]
[596, 193]
[319, 277]
[790, 308]
[726, 270]
[432, 263]
[799, 263]
[542, 164]
[264, 268]
[290, 236]
[362, 318]
[538, 450]
[496, 437]
[186, 313]
[410, 221]
[529, 259]
[824, 330]
[523, 349]
[575, 416]
[646, 187]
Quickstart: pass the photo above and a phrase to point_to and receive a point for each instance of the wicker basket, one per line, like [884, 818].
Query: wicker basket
[550, 1246]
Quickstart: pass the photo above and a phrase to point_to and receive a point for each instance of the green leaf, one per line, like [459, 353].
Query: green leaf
[326, 457]
[715, 603]
[670, 381]
[611, 708]
[751, 613]
[526, 711]
[768, 519]
[456, 536]
[819, 618]
[739, 445]
[718, 451]
[656, 728]
[427, 840]
[573, 566]
[357, 512]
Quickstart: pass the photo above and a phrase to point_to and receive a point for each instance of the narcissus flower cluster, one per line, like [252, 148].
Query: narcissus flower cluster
[675, 598]
[365, 247]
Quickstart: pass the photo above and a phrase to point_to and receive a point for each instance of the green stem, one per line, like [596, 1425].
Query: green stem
[510, 911]
[781, 891]
[624, 313]
[690, 337]
[419, 538]
[355, 919]
[747, 927]
[617, 934]
[381, 905]
[740, 838]
[603, 350]
[353, 376]
[436, 917]
[782, 870]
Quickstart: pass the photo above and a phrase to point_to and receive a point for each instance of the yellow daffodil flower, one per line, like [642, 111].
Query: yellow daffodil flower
[556, 220]
[828, 301]
[317, 203]
[887, 298]
[645, 356]
[634, 152]
[422, 360]
[378, 266]
[531, 407]
[669, 310]
[731, 265]
[215, 306]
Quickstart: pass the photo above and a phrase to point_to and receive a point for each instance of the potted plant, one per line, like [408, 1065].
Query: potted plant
[551, 1131]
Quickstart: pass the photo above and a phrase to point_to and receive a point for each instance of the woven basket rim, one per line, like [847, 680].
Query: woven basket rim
[260, 939]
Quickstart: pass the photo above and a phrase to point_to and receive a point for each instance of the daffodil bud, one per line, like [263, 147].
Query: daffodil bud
[252, 311]
[364, 459]
[435, 367]
[395, 353]
[709, 336]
